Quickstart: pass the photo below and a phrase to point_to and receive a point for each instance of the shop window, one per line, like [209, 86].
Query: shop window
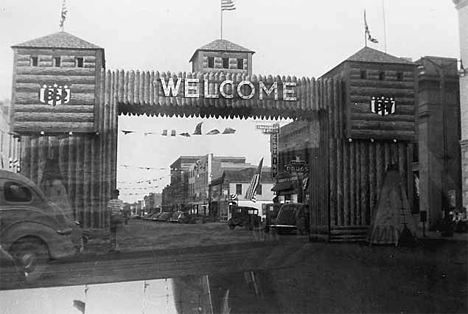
[226, 63]
[211, 62]
[363, 74]
[239, 189]
[79, 62]
[240, 64]
[57, 62]
[34, 61]
[399, 76]
[381, 75]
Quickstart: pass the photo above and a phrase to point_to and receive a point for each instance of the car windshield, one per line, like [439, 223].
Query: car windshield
[224, 157]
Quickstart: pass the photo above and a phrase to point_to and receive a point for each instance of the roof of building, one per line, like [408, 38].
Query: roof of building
[58, 40]
[222, 45]
[370, 55]
[245, 175]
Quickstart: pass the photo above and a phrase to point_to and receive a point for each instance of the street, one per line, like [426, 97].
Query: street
[302, 277]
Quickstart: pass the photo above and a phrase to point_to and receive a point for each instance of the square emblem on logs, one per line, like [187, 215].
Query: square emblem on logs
[383, 105]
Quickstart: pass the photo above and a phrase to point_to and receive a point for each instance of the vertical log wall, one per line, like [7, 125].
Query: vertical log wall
[346, 174]
[87, 161]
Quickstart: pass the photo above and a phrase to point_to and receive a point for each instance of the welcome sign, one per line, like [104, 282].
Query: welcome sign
[228, 89]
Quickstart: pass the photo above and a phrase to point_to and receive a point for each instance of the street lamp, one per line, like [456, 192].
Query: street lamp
[443, 70]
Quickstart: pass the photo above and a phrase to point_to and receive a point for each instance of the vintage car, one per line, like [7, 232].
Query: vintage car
[292, 217]
[244, 216]
[33, 230]
[182, 217]
[164, 217]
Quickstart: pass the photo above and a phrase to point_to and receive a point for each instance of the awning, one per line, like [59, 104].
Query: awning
[281, 186]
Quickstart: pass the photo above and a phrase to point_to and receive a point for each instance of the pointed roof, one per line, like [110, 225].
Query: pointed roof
[368, 54]
[222, 45]
[61, 39]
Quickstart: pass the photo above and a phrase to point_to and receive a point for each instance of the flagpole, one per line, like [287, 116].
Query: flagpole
[221, 23]
[384, 26]
[365, 29]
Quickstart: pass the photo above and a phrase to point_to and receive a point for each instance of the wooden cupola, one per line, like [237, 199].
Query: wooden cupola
[56, 85]
[222, 55]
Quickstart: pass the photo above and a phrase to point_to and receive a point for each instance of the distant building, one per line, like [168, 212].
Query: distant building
[201, 174]
[436, 159]
[295, 143]
[462, 7]
[175, 196]
[222, 55]
[232, 185]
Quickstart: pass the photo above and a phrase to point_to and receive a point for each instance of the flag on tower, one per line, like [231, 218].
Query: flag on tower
[366, 28]
[252, 190]
[227, 5]
[63, 15]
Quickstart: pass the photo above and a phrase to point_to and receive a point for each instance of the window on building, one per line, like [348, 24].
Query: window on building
[259, 189]
[415, 152]
[79, 62]
[363, 74]
[240, 64]
[382, 75]
[226, 63]
[211, 62]
[34, 61]
[399, 76]
[239, 189]
[57, 62]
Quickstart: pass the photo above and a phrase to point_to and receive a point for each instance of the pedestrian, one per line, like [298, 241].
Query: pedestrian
[115, 209]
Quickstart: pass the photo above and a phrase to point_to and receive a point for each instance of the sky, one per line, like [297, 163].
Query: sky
[302, 38]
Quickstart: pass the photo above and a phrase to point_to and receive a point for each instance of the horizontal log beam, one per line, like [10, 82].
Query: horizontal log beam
[49, 108]
[55, 127]
[74, 71]
[35, 87]
[53, 117]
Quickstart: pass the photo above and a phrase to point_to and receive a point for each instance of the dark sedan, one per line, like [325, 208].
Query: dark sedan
[292, 217]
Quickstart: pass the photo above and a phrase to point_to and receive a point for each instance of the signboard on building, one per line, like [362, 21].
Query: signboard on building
[297, 166]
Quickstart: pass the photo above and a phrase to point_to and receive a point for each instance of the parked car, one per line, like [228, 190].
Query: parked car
[182, 217]
[155, 216]
[271, 212]
[292, 217]
[244, 216]
[164, 217]
[33, 230]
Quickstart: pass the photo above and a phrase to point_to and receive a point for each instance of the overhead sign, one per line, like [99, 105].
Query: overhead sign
[197, 88]
[268, 128]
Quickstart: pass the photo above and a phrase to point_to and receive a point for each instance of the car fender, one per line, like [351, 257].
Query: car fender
[59, 245]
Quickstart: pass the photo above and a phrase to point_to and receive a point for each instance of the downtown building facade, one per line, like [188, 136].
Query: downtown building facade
[462, 7]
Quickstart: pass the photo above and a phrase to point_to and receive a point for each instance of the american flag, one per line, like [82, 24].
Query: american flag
[63, 15]
[366, 29]
[227, 5]
[252, 190]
